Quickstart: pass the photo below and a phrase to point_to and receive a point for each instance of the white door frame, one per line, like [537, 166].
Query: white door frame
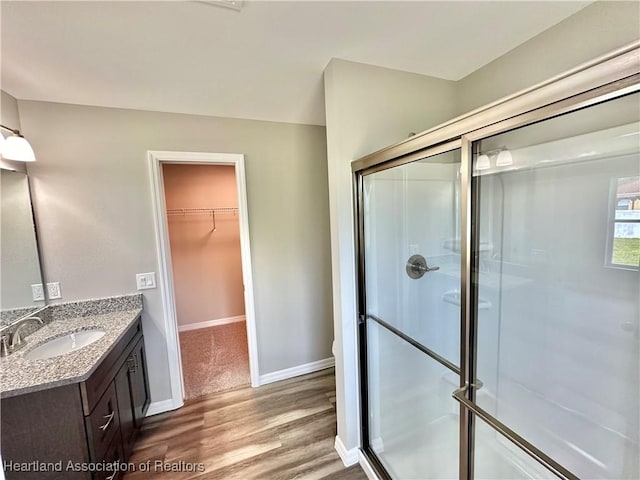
[156, 158]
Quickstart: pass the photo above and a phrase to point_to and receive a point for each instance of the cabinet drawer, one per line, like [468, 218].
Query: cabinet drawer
[103, 425]
[92, 389]
[114, 454]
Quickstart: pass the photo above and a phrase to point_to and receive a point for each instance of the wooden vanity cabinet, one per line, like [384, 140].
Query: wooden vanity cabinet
[94, 421]
[132, 391]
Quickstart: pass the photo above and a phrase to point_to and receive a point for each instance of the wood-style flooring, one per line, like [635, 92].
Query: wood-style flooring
[281, 431]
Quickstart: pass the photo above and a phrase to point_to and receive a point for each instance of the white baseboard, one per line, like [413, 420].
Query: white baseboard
[366, 466]
[349, 457]
[161, 407]
[295, 371]
[211, 323]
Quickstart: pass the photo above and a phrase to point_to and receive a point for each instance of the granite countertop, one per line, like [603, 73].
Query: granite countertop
[19, 375]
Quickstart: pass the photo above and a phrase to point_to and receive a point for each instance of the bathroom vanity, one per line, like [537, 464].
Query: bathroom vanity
[73, 415]
[74, 394]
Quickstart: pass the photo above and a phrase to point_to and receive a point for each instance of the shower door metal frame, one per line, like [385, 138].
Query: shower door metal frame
[614, 75]
[358, 187]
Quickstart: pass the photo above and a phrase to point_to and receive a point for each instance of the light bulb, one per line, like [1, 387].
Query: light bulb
[17, 148]
[504, 158]
[482, 162]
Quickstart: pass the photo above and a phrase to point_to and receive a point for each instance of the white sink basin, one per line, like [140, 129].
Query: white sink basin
[66, 344]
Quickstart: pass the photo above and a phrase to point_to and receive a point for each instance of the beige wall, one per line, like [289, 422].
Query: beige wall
[206, 263]
[367, 108]
[593, 31]
[93, 196]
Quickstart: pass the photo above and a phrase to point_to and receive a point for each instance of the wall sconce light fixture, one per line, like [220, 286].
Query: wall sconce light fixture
[16, 147]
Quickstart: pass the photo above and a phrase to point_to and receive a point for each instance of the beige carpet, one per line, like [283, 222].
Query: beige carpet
[214, 359]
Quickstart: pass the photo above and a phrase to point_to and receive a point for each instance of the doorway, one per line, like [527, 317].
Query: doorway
[204, 239]
[205, 275]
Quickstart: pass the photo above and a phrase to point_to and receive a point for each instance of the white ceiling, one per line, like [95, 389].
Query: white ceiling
[264, 62]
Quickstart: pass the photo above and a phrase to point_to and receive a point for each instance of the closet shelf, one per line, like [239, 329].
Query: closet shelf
[203, 211]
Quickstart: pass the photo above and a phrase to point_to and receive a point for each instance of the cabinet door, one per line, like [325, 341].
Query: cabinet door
[139, 384]
[125, 405]
[103, 425]
[45, 426]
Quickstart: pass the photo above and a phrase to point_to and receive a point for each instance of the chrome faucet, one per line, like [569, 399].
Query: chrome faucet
[4, 345]
[9, 343]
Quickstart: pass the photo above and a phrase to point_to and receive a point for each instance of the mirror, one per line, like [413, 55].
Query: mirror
[19, 259]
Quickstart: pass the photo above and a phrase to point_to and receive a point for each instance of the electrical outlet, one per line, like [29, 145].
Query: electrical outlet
[38, 292]
[53, 290]
[146, 280]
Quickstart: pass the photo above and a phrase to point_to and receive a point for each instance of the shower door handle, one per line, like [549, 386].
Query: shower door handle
[417, 267]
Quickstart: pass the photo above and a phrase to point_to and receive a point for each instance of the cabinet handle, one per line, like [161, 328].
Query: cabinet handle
[110, 418]
[132, 365]
[135, 361]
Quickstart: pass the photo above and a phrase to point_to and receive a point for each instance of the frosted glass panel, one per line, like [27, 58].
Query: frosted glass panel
[413, 209]
[413, 420]
[496, 458]
[558, 349]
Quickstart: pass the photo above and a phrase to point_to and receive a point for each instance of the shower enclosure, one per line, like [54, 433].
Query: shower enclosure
[499, 287]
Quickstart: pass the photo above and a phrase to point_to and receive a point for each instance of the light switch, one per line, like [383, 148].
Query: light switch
[146, 280]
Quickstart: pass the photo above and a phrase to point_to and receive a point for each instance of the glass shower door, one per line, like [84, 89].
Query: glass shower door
[503, 269]
[559, 218]
[412, 322]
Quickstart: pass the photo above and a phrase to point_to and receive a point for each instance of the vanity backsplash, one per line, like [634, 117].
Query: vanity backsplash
[7, 317]
[79, 308]
[83, 308]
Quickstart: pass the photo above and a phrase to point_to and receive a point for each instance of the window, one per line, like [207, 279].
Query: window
[624, 238]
